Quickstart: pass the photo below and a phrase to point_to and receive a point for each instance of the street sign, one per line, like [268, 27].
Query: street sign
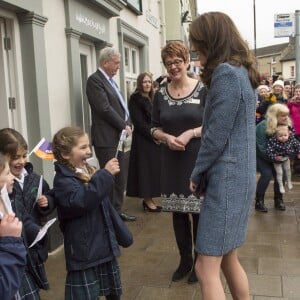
[284, 25]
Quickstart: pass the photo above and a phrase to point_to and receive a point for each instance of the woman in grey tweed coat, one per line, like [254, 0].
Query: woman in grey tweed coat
[227, 153]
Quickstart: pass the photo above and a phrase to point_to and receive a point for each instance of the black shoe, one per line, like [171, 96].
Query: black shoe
[181, 271]
[192, 278]
[260, 206]
[278, 202]
[279, 205]
[127, 218]
[156, 209]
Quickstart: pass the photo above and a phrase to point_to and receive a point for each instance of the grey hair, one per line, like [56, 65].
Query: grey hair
[107, 54]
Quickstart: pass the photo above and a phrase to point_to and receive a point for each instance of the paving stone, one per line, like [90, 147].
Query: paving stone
[291, 287]
[270, 256]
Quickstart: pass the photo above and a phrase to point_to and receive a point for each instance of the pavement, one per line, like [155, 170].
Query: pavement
[270, 256]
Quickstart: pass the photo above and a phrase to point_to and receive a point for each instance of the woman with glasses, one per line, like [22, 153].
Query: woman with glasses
[144, 164]
[176, 123]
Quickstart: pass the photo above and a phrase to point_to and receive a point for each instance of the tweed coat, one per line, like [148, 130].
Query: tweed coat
[227, 157]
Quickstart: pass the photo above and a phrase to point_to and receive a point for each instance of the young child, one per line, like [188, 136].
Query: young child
[83, 205]
[12, 250]
[24, 193]
[281, 146]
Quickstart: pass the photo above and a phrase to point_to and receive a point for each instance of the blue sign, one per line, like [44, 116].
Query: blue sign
[284, 25]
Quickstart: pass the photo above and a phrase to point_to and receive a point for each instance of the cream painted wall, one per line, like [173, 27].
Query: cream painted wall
[286, 70]
[173, 25]
[142, 25]
[57, 68]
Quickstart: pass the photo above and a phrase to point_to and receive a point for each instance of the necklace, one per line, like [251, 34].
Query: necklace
[178, 91]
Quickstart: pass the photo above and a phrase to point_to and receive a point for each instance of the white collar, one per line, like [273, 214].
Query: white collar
[105, 75]
[23, 175]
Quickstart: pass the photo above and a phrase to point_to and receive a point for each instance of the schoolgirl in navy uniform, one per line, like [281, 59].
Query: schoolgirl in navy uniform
[83, 206]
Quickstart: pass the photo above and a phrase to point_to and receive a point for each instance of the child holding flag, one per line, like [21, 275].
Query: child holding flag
[84, 212]
[33, 192]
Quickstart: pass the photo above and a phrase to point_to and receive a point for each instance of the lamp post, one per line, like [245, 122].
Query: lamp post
[270, 63]
[297, 44]
[254, 22]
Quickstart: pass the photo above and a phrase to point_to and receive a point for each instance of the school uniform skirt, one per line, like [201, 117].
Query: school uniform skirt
[89, 284]
[28, 290]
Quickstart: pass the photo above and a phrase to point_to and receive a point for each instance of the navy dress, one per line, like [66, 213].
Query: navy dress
[174, 116]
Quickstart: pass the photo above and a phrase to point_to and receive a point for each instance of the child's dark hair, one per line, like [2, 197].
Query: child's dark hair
[3, 162]
[63, 142]
[11, 141]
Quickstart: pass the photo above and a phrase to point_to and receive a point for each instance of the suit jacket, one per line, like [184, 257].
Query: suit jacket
[108, 115]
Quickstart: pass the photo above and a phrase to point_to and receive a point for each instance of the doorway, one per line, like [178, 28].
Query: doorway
[87, 67]
[9, 100]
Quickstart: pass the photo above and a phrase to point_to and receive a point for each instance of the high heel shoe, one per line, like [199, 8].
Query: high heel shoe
[146, 207]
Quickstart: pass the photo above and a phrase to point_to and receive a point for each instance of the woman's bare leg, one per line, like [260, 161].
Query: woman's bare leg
[208, 274]
[235, 276]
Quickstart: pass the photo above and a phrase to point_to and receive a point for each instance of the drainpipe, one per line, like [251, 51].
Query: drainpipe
[297, 45]
[162, 26]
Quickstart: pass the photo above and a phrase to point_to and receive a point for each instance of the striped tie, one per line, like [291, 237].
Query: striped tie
[121, 99]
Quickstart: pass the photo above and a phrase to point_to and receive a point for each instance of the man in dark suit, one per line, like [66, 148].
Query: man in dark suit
[109, 117]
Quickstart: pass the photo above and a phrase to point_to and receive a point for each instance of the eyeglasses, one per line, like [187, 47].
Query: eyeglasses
[176, 63]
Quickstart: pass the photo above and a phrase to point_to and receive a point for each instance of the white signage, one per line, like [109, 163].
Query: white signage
[284, 25]
[90, 22]
[151, 19]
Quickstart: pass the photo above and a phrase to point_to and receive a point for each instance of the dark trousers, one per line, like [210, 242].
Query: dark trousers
[185, 234]
[267, 172]
[104, 155]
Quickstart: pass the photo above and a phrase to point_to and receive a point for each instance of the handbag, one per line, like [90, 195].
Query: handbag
[123, 235]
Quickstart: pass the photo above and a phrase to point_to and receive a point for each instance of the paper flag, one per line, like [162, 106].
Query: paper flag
[6, 204]
[43, 150]
[122, 139]
[42, 232]
[40, 190]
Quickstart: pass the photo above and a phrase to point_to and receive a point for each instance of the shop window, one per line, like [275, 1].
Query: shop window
[132, 63]
[135, 5]
[292, 71]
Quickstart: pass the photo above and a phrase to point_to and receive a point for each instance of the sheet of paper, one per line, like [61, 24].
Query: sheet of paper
[40, 190]
[122, 139]
[6, 201]
[42, 232]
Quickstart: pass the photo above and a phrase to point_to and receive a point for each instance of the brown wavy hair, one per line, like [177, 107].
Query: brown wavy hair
[215, 35]
[62, 144]
[139, 84]
[11, 141]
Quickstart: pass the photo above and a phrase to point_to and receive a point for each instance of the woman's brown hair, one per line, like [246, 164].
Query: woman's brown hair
[215, 35]
[139, 84]
[175, 48]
